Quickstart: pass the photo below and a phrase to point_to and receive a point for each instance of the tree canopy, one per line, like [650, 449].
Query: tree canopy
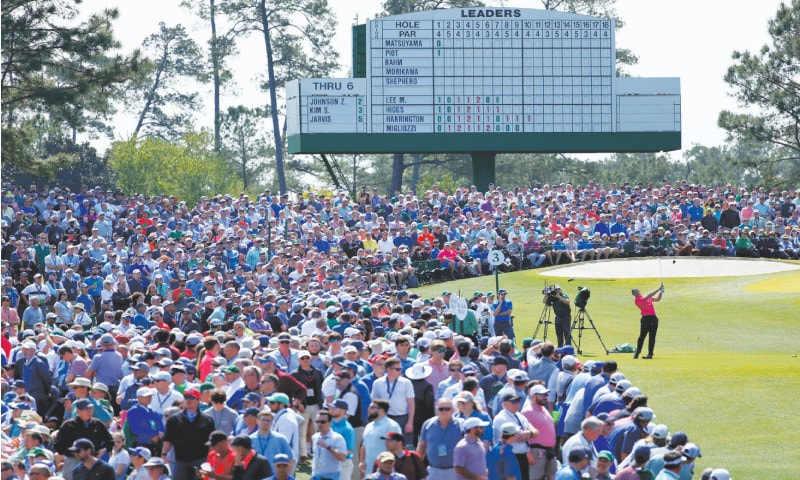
[188, 167]
[57, 67]
[767, 83]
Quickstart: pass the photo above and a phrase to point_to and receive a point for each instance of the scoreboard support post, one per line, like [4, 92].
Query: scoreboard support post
[483, 174]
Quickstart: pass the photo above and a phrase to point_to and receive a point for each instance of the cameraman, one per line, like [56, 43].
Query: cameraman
[560, 303]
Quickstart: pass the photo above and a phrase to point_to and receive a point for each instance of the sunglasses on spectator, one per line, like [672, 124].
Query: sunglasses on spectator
[445, 409]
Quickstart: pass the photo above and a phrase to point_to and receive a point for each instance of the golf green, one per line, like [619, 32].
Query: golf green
[725, 370]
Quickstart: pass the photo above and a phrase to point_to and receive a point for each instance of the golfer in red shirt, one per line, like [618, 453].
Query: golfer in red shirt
[649, 322]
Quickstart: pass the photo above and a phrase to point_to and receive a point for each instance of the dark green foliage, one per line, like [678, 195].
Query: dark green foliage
[59, 68]
[768, 83]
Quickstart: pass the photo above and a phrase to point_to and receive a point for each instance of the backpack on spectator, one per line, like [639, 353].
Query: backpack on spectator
[129, 398]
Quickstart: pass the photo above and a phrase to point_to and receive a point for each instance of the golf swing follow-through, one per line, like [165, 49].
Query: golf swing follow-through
[649, 321]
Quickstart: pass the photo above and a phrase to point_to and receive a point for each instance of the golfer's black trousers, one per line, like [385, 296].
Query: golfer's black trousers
[649, 326]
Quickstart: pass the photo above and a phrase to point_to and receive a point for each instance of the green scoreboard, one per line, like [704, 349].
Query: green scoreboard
[485, 81]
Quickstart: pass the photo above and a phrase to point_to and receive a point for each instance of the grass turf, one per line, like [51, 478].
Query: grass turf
[725, 369]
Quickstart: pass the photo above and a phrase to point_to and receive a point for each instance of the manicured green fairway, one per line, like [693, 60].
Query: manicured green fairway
[725, 369]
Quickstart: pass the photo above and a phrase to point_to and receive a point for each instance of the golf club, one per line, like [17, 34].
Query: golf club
[661, 272]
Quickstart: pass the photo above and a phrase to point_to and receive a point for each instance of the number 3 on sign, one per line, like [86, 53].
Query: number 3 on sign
[496, 258]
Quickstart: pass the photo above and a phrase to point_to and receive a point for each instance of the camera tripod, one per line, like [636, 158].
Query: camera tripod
[544, 319]
[579, 323]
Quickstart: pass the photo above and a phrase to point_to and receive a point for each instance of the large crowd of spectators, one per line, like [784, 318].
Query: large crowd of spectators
[132, 317]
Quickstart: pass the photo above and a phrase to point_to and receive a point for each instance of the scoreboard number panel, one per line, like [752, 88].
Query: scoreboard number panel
[491, 71]
[328, 105]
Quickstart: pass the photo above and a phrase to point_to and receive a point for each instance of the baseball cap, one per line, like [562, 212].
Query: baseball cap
[605, 454]
[206, 386]
[36, 451]
[284, 399]
[252, 397]
[393, 436]
[473, 422]
[660, 431]
[644, 413]
[678, 439]
[145, 392]
[464, 397]
[445, 334]
[81, 444]
[616, 377]
[539, 390]
[281, 459]
[341, 404]
[386, 457]
[632, 392]
[509, 428]
[622, 386]
[510, 396]
[192, 392]
[720, 474]
[82, 404]
[520, 376]
[641, 454]
[69, 396]
[579, 453]
[691, 450]
[251, 411]
[673, 458]
[141, 451]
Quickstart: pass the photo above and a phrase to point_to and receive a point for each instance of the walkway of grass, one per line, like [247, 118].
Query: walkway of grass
[725, 369]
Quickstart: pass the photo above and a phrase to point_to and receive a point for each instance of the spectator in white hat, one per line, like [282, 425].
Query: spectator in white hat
[469, 456]
[501, 456]
[145, 427]
[36, 375]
